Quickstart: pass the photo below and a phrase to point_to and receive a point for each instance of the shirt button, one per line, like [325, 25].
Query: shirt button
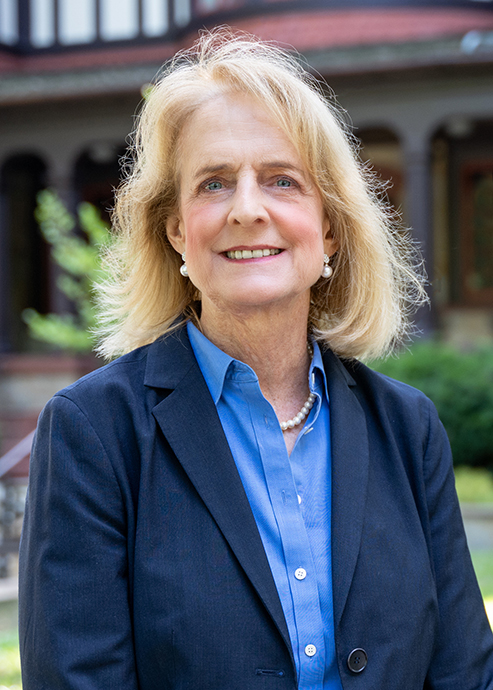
[310, 650]
[300, 574]
[299, 498]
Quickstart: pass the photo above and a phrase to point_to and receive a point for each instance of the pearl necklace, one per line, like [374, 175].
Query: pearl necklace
[303, 413]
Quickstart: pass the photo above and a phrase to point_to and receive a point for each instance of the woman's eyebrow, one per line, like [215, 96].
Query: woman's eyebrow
[210, 169]
[281, 164]
[228, 167]
[285, 165]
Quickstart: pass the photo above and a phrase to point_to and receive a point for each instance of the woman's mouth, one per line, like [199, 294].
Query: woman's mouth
[252, 253]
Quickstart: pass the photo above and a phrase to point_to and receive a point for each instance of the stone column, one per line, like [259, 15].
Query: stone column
[418, 186]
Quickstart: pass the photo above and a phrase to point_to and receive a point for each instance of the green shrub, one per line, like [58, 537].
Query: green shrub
[461, 386]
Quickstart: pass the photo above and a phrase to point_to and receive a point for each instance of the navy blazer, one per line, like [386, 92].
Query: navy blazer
[142, 567]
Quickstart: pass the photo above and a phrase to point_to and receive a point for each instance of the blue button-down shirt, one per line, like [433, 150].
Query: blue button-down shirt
[290, 497]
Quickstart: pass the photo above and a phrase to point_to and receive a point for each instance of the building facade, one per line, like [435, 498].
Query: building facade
[415, 77]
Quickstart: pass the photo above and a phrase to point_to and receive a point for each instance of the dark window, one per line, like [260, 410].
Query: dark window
[97, 174]
[477, 233]
[24, 280]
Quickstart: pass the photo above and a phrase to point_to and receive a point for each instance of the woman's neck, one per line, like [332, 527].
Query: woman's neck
[273, 344]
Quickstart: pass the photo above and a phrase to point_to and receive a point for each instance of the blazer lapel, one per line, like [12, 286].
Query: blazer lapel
[350, 458]
[191, 425]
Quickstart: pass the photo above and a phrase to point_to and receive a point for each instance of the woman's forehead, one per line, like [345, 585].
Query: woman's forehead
[232, 127]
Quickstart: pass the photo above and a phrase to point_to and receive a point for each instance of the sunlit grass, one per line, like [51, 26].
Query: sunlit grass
[10, 665]
[483, 565]
[474, 484]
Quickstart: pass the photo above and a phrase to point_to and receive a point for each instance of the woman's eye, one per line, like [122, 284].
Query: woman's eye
[283, 183]
[213, 186]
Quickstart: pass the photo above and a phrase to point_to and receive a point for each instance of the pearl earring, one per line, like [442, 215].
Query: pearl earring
[327, 270]
[183, 267]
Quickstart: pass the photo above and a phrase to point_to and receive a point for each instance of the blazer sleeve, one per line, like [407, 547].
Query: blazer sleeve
[463, 657]
[74, 613]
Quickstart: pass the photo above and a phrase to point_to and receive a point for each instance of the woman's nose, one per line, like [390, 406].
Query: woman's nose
[248, 205]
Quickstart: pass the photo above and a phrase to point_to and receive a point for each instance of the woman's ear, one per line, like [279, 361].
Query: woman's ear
[175, 235]
[331, 245]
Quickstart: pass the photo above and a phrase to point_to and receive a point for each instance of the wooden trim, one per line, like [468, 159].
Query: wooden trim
[12, 364]
[56, 21]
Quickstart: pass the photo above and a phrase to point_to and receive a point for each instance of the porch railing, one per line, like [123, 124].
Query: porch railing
[16, 454]
[12, 497]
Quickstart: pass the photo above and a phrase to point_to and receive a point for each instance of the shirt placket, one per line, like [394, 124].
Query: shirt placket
[300, 568]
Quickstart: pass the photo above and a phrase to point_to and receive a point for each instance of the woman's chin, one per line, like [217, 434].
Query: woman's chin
[249, 301]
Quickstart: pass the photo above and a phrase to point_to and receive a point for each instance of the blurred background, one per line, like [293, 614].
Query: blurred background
[416, 78]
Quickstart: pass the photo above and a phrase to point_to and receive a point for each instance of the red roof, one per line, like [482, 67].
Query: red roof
[306, 31]
[331, 29]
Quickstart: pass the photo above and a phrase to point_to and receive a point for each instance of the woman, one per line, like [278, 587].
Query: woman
[237, 502]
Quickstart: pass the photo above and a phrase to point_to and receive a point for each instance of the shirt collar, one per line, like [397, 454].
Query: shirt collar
[316, 374]
[214, 364]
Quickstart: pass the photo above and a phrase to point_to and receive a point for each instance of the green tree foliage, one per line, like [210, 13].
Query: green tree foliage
[461, 386]
[78, 256]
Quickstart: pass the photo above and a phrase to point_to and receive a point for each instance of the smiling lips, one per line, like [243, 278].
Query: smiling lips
[252, 253]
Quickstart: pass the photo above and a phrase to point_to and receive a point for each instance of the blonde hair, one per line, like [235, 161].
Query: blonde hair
[362, 311]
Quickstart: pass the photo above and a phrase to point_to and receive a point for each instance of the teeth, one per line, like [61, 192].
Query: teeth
[252, 254]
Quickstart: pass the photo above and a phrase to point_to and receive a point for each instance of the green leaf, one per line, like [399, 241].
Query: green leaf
[76, 246]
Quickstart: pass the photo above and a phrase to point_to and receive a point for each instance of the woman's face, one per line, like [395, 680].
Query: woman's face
[250, 220]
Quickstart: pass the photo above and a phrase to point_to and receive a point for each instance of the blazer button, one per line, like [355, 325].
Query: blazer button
[357, 660]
